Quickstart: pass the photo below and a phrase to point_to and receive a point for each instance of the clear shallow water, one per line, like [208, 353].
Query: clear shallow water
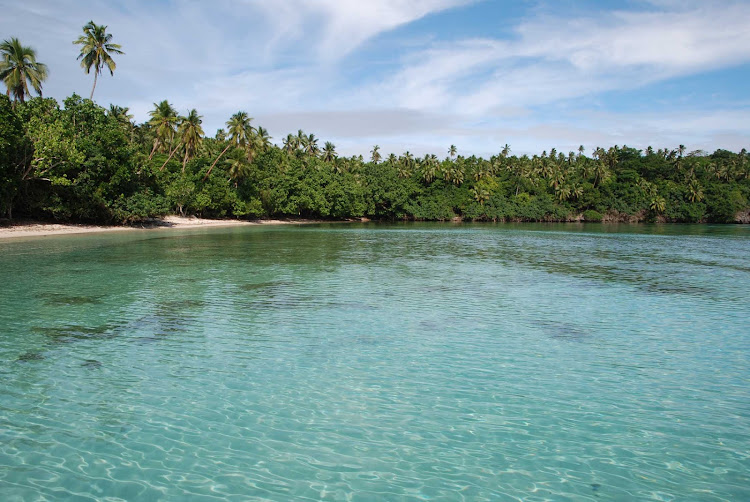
[412, 362]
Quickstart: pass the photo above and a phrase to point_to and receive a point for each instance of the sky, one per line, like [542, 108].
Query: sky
[419, 75]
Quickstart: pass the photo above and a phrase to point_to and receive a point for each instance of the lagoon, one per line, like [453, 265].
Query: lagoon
[377, 362]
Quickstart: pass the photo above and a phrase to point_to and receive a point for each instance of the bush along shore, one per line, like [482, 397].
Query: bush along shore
[81, 162]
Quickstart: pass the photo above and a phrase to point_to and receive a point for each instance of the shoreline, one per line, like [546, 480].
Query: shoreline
[31, 228]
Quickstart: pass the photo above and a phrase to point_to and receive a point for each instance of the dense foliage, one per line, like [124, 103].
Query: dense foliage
[82, 162]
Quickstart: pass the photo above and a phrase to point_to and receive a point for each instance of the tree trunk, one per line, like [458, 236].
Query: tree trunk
[215, 161]
[96, 75]
[169, 158]
[153, 150]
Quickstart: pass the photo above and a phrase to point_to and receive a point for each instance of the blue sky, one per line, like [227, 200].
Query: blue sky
[420, 75]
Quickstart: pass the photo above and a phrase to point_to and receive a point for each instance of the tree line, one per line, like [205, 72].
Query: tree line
[83, 162]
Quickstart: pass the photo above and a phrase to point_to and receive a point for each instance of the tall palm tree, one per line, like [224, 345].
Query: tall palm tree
[239, 167]
[164, 119]
[452, 151]
[191, 135]
[430, 167]
[505, 151]
[290, 143]
[301, 140]
[121, 115]
[311, 146]
[240, 133]
[375, 152]
[19, 67]
[96, 47]
[329, 152]
[263, 139]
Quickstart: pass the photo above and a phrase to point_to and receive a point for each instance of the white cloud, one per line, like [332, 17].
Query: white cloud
[554, 59]
[285, 63]
[340, 26]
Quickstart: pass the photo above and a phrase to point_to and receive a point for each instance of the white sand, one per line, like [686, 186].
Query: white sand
[36, 229]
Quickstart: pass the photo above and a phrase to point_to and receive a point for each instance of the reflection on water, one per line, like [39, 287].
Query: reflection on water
[392, 362]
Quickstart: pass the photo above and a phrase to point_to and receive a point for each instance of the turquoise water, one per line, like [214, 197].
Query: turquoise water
[373, 362]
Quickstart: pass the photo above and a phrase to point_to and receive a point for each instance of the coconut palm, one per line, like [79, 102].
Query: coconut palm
[301, 140]
[329, 152]
[505, 151]
[191, 135]
[96, 49]
[290, 143]
[452, 151]
[576, 191]
[430, 167]
[405, 165]
[695, 192]
[311, 146]
[562, 193]
[164, 120]
[263, 139]
[121, 115]
[19, 68]
[239, 167]
[240, 133]
[454, 174]
[375, 154]
[480, 194]
[658, 204]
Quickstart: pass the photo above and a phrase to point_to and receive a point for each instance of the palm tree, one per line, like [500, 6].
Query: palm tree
[375, 154]
[329, 152]
[263, 139]
[96, 46]
[695, 192]
[19, 67]
[301, 140]
[430, 167]
[480, 194]
[405, 165]
[240, 134]
[121, 115]
[562, 193]
[576, 191]
[505, 151]
[658, 204]
[164, 119]
[191, 135]
[239, 167]
[290, 143]
[311, 146]
[452, 151]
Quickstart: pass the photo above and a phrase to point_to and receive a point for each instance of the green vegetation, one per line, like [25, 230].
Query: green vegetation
[82, 162]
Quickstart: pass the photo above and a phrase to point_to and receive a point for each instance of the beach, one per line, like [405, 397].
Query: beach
[30, 228]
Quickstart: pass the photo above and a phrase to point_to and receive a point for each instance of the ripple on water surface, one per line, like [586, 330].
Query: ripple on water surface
[377, 362]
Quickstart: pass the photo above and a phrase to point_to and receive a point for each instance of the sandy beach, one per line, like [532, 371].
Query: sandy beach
[23, 228]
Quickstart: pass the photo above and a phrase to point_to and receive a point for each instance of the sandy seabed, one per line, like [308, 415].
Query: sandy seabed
[39, 229]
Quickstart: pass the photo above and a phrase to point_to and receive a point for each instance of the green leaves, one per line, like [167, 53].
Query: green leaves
[19, 68]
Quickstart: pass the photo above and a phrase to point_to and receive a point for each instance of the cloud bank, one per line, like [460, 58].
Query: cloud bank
[318, 65]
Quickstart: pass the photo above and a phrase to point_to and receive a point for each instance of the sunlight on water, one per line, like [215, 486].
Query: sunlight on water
[373, 362]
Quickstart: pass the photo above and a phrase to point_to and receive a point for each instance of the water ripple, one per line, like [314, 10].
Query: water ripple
[371, 362]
